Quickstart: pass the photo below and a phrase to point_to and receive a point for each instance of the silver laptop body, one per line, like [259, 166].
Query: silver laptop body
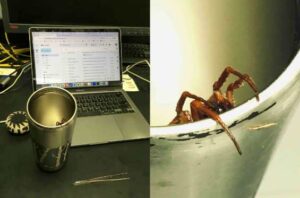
[86, 61]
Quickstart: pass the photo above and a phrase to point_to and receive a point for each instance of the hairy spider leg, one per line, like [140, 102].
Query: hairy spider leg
[181, 118]
[183, 97]
[231, 87]
[229, 70]
[184, 116]
[199, 110]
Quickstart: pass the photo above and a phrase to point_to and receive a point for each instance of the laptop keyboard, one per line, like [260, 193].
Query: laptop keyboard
[102, 104]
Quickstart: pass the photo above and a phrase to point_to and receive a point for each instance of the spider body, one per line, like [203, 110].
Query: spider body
[58, 123]
[217, 103]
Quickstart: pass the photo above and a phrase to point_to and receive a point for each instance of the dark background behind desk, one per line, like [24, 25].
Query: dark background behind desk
[20, 177]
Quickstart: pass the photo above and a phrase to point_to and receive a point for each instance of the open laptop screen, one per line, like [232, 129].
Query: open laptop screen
[74, 59]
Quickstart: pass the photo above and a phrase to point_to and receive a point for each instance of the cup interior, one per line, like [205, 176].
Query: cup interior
[192, 56]
[51, 107]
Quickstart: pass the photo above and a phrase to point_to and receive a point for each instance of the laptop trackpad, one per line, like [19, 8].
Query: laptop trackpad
[95, 130]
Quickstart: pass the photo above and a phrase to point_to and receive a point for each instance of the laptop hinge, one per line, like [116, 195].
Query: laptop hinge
[91, 90]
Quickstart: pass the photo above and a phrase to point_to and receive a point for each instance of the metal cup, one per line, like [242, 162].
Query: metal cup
[52, 112]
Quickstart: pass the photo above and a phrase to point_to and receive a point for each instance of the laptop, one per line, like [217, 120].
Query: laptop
[87, 62]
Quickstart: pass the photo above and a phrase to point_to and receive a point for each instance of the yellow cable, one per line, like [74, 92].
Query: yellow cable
[16, 51]
[22, 50]
[6, 38]
[5, 65]
[8, 42]
[7, 52]
[4, 59]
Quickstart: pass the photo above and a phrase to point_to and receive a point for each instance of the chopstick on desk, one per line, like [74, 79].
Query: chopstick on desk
[102, 179]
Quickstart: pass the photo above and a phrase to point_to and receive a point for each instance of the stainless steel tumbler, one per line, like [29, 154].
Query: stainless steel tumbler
[52, 113]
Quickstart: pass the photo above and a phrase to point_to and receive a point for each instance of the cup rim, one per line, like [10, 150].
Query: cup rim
[51, 87]
[288, 76]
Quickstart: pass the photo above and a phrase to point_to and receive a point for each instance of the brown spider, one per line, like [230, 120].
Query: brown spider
[63, 120]
[216, 104]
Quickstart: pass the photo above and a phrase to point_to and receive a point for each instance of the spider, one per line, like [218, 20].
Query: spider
[63, 120]
[216, 104]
